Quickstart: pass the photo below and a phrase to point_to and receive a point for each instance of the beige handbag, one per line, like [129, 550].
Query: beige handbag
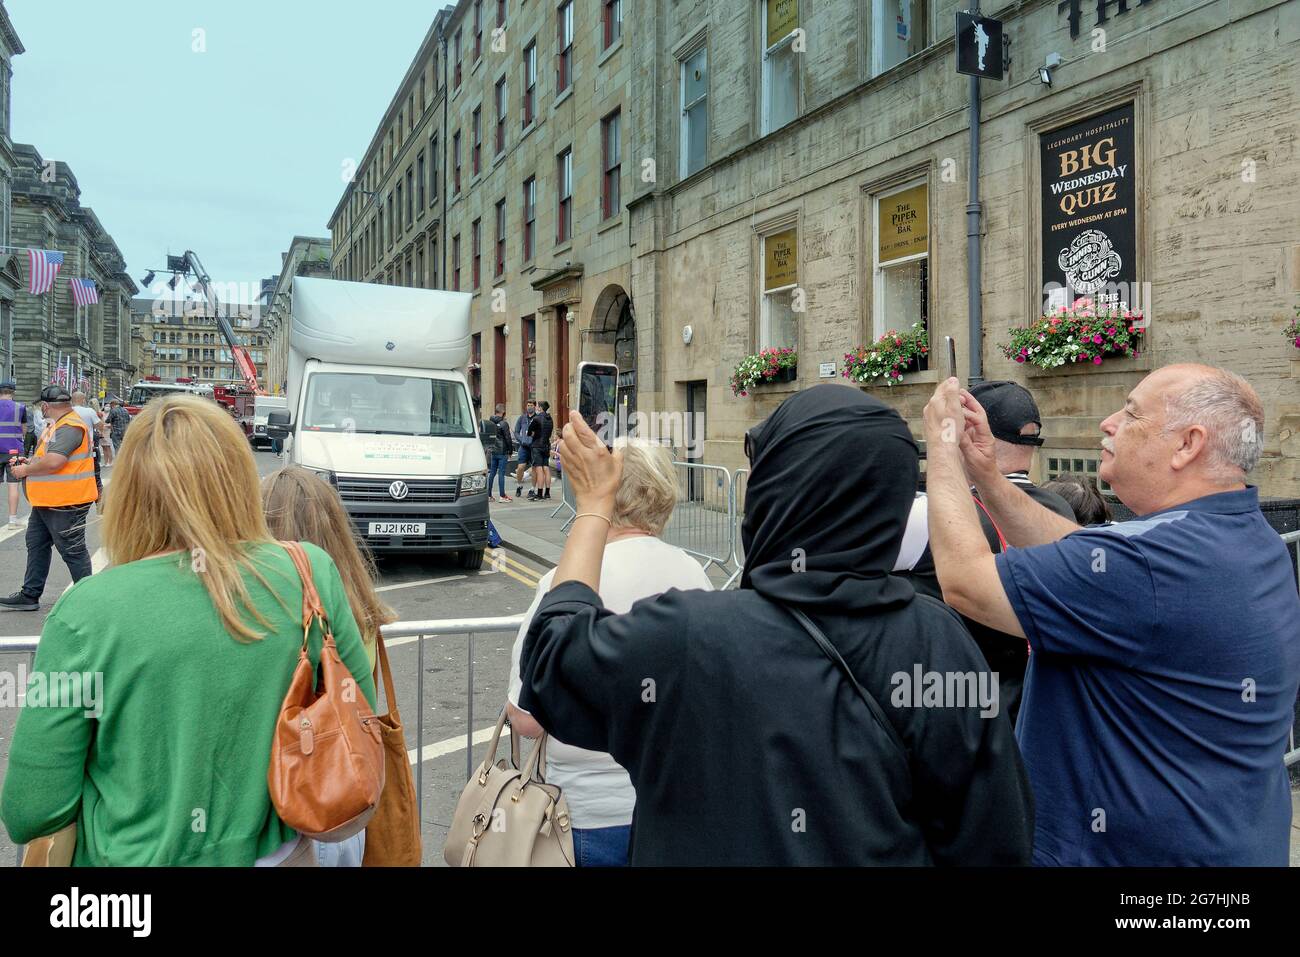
[510, 818]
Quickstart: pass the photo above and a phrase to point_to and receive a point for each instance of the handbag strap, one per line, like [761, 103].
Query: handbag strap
[311, 603]
[833, 654]
[390, 694]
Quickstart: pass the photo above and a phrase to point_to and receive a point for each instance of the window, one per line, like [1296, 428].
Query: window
[530, 82]
[456, 52]
[419, 166]
[433, 169]
[390, 219]
[478, 29]
[500, 145]
[776, 328]
[899, 29]
[563, 46]
[901, 254]
[780, 63]
[499, 266]
[423, 101]
[455, 153]
[410, 113]
[455, 263]
[501, 13]
[433, 262]
[611, 16]
[410, 194]
[610, 152]
[476, 250]
[476, 156]
[564, 196]
[695, 112]
[399, 207]
[530, 216]
[1082, 465]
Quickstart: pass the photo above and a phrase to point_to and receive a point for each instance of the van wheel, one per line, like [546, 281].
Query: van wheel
[471, 560]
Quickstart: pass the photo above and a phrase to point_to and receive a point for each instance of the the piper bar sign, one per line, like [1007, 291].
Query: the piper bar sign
[1075, 9]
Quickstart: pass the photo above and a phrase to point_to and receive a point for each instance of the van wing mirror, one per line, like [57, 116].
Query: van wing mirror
[278, 424]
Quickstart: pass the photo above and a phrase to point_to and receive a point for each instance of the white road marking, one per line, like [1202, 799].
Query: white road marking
[451, 745]
[8, 532]
[425, 581]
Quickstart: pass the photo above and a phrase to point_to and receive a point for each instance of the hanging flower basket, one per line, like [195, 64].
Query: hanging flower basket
[889, 357]
[1082, 332]
[1292, 330]
[767, 366]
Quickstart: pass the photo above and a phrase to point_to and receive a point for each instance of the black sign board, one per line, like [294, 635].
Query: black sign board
[979, 45]
[1089, 221]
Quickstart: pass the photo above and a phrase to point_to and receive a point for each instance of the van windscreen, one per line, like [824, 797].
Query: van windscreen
[371, 403]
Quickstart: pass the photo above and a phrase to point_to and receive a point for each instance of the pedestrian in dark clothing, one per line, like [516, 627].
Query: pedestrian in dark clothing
[1017, 431]
[524, 442]
[118, 419]
[13, 423]
[498, 444]
[694, 691]
[540, 430]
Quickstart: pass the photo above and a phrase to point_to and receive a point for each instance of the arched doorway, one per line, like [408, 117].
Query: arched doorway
[613, 325]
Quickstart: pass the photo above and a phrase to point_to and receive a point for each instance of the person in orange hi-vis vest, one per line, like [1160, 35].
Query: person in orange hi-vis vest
[60, 484]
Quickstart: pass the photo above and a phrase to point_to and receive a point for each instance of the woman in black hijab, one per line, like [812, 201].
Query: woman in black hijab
[745, 741]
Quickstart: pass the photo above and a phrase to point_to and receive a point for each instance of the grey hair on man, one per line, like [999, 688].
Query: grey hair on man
[1229, 410]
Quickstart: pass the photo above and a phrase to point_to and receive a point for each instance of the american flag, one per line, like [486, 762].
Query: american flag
[45, 265]
[83, 291]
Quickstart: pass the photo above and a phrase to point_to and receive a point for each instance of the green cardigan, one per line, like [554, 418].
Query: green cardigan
[172, 771]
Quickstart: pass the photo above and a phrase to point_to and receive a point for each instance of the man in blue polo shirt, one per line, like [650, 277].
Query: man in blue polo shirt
[1165, 651]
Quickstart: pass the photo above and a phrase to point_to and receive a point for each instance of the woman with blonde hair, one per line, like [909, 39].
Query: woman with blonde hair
[185, 647]
[637, 564]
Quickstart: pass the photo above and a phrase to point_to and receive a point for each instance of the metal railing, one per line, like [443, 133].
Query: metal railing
[566, 501]
[739, 485]
[702, 522]
[24, 645]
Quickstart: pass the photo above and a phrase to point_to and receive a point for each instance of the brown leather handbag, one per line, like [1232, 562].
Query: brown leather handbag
[393, 835]
[327, 756]
[510, 818]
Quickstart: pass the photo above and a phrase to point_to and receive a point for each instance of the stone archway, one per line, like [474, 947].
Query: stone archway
[613, 324]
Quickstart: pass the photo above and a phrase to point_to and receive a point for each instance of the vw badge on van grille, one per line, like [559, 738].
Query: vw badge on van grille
[398, 490]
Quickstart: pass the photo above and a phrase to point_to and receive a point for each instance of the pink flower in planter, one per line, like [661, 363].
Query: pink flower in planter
[1020, 358]
[1097, 340]
[1096, 360]
[1081, 357]
[1110, 331]
[1297, 342]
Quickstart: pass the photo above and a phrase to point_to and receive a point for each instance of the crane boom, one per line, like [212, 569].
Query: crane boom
[242, 360]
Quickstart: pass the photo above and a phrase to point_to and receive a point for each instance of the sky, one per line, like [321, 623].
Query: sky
[228, 142]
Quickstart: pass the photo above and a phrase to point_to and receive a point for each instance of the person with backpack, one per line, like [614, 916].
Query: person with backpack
[523, 441]
[498, 444]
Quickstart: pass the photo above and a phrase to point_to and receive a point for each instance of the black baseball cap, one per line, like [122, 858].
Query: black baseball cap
[55, 393]
[1010, 408]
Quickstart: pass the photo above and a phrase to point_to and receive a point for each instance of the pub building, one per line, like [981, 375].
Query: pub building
[1157, 173]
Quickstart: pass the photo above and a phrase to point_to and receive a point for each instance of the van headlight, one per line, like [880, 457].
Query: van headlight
[473, 483]
[324, 475]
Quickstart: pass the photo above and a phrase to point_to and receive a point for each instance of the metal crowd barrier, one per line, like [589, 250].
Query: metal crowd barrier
[25, 645]
[702, 522]
[739, 485]
[566, 501]
[444, 628]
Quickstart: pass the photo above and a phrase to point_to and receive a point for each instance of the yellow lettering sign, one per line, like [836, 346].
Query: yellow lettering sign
[904, 226]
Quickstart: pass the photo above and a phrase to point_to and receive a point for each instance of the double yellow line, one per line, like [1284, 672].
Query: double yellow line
[501, 562]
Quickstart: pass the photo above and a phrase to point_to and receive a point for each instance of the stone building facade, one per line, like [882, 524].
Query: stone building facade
[768, 152]
[185, 342]
[306, 256]
[48, 214]
[11, 265]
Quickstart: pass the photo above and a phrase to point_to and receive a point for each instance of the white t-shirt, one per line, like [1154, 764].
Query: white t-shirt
[597, 790]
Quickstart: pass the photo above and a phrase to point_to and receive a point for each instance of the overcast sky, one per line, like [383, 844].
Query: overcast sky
[230, 152]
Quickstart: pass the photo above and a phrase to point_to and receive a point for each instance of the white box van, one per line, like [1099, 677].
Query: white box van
[378, 405]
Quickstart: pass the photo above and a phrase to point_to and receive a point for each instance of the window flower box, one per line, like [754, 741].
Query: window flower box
[1080, 333]
[765, 367]
[889, 358]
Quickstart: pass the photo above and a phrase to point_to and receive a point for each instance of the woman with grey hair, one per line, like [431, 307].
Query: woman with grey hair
[637, 564]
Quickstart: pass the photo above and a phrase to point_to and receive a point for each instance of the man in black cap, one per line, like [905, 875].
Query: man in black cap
[1016, 427]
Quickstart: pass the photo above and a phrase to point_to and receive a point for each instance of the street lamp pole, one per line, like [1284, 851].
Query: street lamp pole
[974, 211]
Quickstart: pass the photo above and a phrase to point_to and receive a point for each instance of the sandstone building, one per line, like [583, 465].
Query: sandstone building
[679, 185]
